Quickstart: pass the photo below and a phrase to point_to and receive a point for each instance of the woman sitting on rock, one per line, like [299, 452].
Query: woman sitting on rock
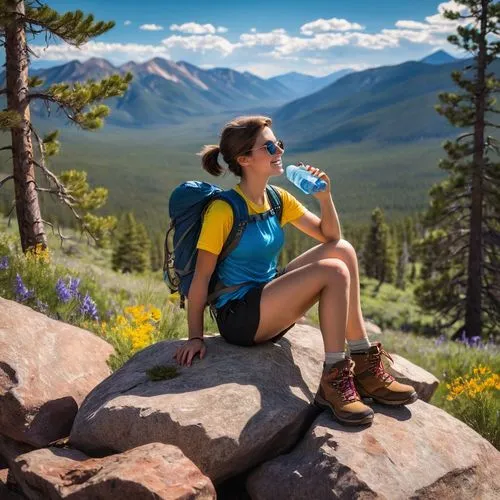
[270, 305]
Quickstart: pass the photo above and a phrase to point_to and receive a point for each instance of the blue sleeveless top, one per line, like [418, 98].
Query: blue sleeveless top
[254, 259]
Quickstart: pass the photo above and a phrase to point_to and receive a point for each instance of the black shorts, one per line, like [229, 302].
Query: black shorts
[238, 319]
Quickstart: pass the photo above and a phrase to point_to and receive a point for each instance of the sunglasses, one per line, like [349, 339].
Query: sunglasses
[271, 147]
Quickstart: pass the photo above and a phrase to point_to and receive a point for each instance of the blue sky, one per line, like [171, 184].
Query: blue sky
[265, 37]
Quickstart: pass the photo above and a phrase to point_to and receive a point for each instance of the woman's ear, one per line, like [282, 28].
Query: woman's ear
[243, 160]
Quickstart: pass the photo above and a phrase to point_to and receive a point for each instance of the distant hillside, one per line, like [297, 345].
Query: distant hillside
[166, 92]
[303, 85]
[386, 104]
[439, 57]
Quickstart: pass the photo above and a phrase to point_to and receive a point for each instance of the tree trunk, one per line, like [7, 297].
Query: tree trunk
[31, 227]
[475, 263]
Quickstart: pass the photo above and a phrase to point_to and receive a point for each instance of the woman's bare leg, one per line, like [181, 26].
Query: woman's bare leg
[288, 297]
[343, 250]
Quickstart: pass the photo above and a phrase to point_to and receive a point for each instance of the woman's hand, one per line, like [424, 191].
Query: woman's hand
[319, 173]
[185, 353]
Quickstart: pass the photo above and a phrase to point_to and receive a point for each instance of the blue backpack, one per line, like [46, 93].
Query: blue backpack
[187, 205]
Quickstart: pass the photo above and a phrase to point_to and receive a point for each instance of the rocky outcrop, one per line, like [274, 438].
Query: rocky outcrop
[154, 470]
[417, 452]
[406, 372]
[47, 367]
[227, 413]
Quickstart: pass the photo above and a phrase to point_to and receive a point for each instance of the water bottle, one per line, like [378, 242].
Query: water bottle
[304, 180]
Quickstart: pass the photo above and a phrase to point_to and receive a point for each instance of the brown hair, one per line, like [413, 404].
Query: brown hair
[237, 138]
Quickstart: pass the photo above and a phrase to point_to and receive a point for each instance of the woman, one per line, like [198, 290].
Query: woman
[328, 273]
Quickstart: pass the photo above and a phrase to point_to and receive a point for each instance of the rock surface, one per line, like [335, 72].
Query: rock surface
[47, 367]
[417, 452]
[406, 372]
[154, 470]
[228, 412]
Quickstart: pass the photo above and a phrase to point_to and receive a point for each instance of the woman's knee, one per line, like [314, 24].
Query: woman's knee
[334, 269]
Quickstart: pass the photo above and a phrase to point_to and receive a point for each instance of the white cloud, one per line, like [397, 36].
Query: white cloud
[326, 25]
[253, 30]
[116, 52]
[274, 37]
[127, 22]
[200, 43]
[151, 27]
[315, 60]
[197, 29]
[436, 28]
[286, 45]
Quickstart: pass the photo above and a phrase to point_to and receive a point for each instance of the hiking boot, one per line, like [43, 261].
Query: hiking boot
[338, 393]
[373, 381]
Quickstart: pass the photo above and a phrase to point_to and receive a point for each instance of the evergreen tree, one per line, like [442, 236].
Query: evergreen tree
[156, 253]
[402, 266]
[80, 103]
[376, 251]
[131, 253]
[460, 248]
[142, 251]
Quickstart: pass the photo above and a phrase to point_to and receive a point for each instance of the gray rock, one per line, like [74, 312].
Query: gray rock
[154, 470]
[406, 372]
[47, 367]
[227, 413]
[417, 452]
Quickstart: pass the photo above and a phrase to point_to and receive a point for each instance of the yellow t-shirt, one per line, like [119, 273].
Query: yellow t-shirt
[218, 219]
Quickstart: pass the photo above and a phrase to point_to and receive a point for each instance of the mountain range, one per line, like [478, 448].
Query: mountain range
[388, 103]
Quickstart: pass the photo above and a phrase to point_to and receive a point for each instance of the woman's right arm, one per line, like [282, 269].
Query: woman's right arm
[197, 298]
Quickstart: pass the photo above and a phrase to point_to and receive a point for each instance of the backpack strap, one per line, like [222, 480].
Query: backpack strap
[275, 199]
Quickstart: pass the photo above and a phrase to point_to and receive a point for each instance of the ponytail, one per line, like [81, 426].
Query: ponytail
[209, 155]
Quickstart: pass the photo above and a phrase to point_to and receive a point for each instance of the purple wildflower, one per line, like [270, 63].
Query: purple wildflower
[73, 285]
[22, 293]
[440, 339]
[4, 263]
[62, 291]
[89, 308]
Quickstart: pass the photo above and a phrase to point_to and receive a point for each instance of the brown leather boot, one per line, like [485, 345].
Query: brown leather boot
[373, 381]
[337, 393]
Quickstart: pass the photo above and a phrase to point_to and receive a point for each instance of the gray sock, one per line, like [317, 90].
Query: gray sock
[333, 357]
[360, 345]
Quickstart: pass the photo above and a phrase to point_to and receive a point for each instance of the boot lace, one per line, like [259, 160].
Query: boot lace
[344, 384]
[377, 365]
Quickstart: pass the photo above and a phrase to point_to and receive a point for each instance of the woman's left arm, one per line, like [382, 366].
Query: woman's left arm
[326, 228]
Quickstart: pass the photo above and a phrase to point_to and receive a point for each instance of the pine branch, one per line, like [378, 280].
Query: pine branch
[62, 193]
[75, 28]
[61, 236]
[5, 179]
[456, 318]
[74, 99]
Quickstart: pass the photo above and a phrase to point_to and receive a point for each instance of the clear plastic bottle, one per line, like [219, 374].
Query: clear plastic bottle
[304, 180]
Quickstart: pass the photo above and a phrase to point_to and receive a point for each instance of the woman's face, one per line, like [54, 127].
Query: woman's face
[259, 160]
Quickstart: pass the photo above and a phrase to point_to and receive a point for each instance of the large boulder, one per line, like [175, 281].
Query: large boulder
[47, 367]
[418, 452]
[227, 413]
[154, 470]
[406, 372]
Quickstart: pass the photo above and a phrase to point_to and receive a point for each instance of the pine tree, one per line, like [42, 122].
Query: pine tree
[460, 248]
[156, 253]
[80, 103]
[131, 253]
[377, 251]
